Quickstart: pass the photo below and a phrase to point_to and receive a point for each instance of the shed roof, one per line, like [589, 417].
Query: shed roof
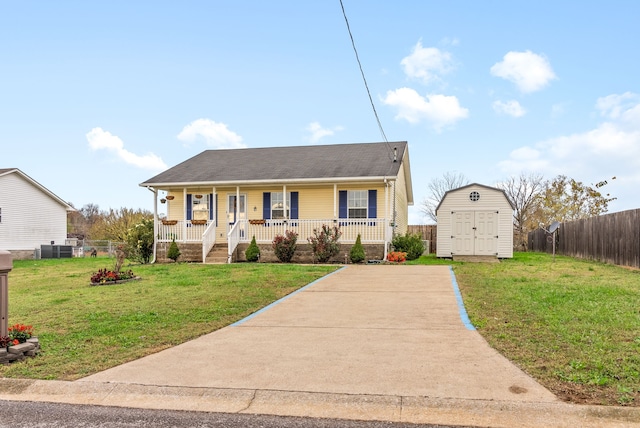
[273, 164]
[478, 185]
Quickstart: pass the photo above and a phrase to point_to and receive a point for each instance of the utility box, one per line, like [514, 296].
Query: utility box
[56, 251]
[6, 264]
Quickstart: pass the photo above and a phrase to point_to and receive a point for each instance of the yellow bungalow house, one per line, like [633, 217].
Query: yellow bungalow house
[218, 200]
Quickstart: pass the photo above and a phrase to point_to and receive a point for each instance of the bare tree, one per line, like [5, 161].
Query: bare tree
[437, 188]
[523, 191]
[565, 199]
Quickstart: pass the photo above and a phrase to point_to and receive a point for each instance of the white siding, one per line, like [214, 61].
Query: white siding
[30, 217]
[491, 200]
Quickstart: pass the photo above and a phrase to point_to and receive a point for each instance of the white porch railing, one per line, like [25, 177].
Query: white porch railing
[208, 240]
[370, 230]
[233, 238]
[181, 231]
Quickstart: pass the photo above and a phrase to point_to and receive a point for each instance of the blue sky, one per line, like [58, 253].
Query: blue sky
[96, 97]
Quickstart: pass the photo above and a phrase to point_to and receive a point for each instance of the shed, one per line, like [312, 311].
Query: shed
[475, 220]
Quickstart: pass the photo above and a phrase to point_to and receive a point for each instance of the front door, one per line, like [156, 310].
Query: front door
[236, 210]
[475, 233]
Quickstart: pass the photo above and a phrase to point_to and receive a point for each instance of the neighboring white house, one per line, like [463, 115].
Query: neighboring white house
[475, 220]
[30, 215]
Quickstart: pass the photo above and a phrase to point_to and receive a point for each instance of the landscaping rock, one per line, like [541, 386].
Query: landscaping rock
[20, 352]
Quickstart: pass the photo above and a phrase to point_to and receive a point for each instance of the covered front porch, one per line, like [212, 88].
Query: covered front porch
[204, 232]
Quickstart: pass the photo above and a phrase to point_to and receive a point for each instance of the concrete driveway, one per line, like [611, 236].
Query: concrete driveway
[378, 342]
[383, 330]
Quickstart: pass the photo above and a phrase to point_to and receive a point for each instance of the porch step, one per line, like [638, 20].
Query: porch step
[218, 254]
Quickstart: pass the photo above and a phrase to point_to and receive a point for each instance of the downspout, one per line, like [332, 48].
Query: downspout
[155, 221]
[386, 207]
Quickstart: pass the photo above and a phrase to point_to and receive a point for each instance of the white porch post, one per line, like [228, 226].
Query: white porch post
[184, 214]
[335, 195]
[155, 223]
[214, 206]
[237, 214]
[284, 201]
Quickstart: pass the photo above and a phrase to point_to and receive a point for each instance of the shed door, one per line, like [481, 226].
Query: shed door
[474, 233]
[463, 224]
[486, 231]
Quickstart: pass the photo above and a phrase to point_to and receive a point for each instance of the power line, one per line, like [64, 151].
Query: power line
[364, 79]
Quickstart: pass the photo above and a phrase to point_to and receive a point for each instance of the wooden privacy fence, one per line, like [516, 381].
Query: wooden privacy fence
[611, 238]
[429, 233]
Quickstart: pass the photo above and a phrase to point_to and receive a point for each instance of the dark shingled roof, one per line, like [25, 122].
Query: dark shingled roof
[359, 160]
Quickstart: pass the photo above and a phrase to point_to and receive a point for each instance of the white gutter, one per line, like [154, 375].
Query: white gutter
[269, 181]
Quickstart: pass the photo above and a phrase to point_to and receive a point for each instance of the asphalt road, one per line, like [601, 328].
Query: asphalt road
[20, 414]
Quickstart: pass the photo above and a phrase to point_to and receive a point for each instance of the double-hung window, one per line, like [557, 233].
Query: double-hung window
[280, 206]
[275, 206]
[357, 203]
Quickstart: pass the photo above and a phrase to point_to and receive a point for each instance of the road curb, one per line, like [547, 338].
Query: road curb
[443, 411]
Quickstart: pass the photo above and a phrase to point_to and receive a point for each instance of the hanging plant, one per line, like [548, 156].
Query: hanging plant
[198, 196]
[170, 197]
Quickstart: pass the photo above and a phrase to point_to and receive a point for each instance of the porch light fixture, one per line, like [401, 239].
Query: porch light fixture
[163, 200]
[255, 208]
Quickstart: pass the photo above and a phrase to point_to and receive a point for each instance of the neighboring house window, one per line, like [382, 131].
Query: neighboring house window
[357, 203]
[280, 208]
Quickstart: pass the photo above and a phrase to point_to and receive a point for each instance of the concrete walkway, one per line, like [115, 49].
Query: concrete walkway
[367, 342]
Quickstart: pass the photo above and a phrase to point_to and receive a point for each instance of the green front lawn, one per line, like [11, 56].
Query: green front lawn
[84, 329]
[572, 324]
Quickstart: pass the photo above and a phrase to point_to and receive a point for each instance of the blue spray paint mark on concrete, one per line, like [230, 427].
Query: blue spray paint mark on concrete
[266, 308]
[463, 312]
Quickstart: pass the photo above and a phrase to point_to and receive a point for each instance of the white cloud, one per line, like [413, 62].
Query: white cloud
[625, 107]
[102, 140]
[612, 148]
[511, 108]
[215, 134]
[318, 132]
[427, 64]
[439, 110]
[529, 71]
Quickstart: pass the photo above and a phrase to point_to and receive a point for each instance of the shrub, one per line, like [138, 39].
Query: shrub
[285, 246]
[324, 243]
[5, 341]
[410, 244]
[357, 253]
[397, 257]
[140, 242]
[105, 275]
[174, 251]
[252, 253]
